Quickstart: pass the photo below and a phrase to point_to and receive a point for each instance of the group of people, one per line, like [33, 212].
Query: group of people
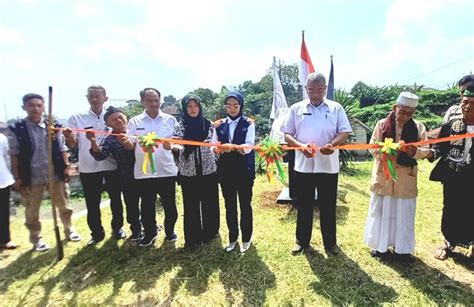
[391, 216]
[116, 161]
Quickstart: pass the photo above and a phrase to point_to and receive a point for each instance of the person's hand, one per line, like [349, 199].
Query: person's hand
[309, 151]
[67, 133]
[216, 150]
[90, 135]
[167, 145]
[227, 147]
[122, 138]
[327, 149]
[17, 184]
[410, 149]
[218, 122]
[240, 151]
[67, 173]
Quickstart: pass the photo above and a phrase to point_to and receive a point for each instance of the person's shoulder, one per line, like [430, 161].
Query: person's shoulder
[453, 108]
[17, 124]
[379, 123]
[168, 117]
[299, 104]
[136, 118]
[419, 124]
[333, 105]
[80, 115]
[248, 121]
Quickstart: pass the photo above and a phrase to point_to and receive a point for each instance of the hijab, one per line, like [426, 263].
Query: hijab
[195, 128]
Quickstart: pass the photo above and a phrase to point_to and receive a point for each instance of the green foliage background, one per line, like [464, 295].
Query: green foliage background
[364, 102]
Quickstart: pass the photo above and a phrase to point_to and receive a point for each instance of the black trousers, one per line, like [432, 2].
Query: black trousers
[458, 211]
[5, 215]
[326, 185]
[201, 208]
[92, 184]
[241, 187]
[131, 197]
[166, 188]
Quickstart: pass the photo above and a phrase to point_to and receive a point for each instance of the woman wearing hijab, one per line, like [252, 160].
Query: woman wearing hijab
[197, 175]
[236, 169]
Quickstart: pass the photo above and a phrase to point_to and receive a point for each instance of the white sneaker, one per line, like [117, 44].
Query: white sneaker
[245, 246]
[73, 236]
[231, 246]
[40, 246]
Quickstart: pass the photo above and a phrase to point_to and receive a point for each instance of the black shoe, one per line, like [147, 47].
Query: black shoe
[376, 254]
[119, 235]
[172, 239]
[136, 237]
[148, 240]
[333, 250]
[94, 241]
[190, 247]
[297, 249]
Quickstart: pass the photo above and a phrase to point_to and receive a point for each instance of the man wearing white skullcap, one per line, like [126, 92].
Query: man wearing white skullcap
[391, 217]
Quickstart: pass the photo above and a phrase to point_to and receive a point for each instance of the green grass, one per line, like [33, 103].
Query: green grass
[120, 273]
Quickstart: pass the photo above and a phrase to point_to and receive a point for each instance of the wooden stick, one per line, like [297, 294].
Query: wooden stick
[59, 243]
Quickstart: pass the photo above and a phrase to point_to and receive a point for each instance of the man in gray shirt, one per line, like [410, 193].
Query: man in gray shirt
[29, 157]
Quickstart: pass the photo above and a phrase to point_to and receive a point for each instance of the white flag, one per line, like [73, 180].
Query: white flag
[279, 99]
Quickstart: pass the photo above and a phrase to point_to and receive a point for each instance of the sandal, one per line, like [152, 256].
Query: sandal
[442, 253]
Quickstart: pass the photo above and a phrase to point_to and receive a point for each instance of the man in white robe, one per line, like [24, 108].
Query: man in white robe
[391, 217]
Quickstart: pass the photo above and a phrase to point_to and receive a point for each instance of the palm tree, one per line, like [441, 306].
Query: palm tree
[348, 102]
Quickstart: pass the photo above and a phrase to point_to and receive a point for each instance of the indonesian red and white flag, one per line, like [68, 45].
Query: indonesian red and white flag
[305, 67]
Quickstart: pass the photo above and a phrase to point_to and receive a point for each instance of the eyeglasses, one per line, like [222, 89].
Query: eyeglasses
[232, 106]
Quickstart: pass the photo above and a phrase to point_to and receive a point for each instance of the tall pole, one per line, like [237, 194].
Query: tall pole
[59, 244]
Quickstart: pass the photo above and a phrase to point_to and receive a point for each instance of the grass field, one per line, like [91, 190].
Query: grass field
[121, 273]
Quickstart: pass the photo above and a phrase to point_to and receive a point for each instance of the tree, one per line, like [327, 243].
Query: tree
[133, 108]
[290, 83]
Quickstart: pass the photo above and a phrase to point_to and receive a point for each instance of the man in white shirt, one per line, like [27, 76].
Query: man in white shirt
[6, 181]
[162, 181]
[94, 173]
[323, 123]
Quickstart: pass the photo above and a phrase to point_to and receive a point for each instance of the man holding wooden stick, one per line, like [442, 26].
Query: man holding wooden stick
[29, 156]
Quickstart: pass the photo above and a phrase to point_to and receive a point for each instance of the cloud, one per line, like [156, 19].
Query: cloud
[9, 37]
[86, 9]
[413, 36]
[28, 2]
[105, 49]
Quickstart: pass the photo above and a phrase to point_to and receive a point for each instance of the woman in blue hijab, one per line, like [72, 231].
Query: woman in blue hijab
[236, 169]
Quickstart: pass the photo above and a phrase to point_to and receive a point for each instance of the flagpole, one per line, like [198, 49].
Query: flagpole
[330, 90]
[303, 87]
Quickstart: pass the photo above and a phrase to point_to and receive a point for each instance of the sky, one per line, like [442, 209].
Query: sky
[178, 46]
